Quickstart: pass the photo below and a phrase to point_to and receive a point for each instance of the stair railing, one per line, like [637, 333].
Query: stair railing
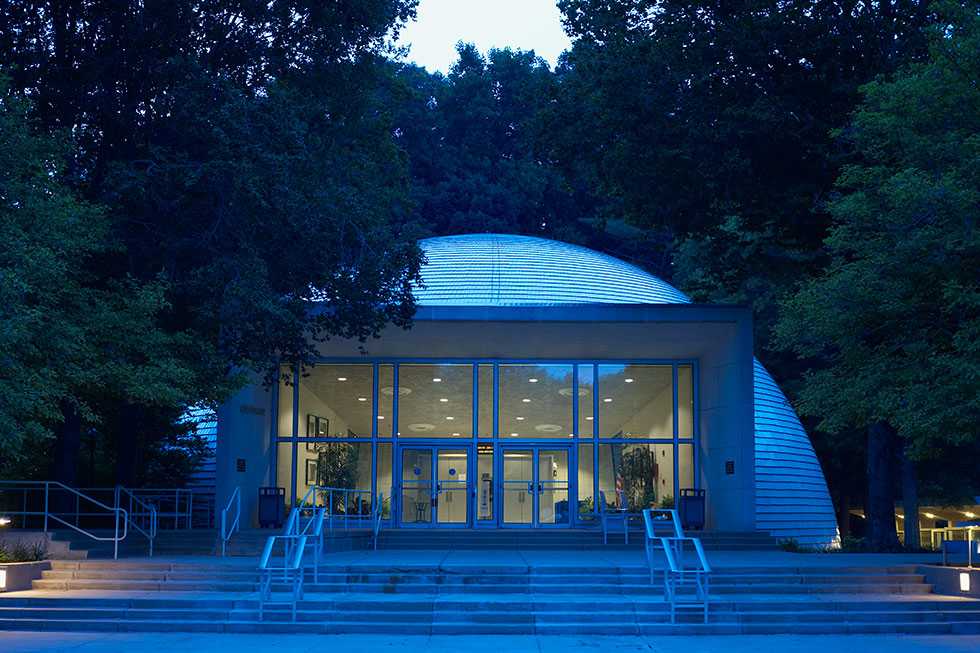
[377, 518]
[234, 503]
[42, 491]
[142, 515]
[291, 570]
[677, 575]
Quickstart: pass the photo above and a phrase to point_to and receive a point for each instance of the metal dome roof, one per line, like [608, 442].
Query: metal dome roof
[507, 270]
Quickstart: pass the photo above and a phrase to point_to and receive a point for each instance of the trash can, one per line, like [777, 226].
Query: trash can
[691, 509]
[272, 507]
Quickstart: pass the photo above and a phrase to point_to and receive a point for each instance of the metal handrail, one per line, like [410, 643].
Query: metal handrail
[676, 574]
[183, 500]
[313, 528]
[346, 494]
[149, 511]
[226, 533]
[292, 569]
[46, 486]
[378, 519]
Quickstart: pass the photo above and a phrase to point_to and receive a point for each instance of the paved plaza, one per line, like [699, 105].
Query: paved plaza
[54, 642]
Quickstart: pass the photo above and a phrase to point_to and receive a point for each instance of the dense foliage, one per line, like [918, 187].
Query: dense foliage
[243, 166]
[894, 317]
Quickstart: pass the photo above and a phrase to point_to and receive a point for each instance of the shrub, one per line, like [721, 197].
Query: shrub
[23, 551]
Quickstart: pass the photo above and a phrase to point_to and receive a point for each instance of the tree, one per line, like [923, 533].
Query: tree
[473, 141]
[895, 314]
[709, 125]
[243, 165]
[70, 341]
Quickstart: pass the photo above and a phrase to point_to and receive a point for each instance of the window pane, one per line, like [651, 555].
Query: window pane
[386, 400]
[336, 401]
[685, 401]
[637, 476]
[586, 500]
[585, 400]
[383, 476]
[485, 381]
[484, 473]
[685, 466]
[336, 467]
[284, 468]
[435, 401]
[636, 401]
[285, 402]
[535, 401]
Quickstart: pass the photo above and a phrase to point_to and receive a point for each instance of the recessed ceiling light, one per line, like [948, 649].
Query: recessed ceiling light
[532, 380]
[436, 379]
[362, 398]
[450, 417]
[455, 433]
[526, 400]
[607, 399]
[381, 416]
[513, 435]
[627, 380]
[341, 378]
[443, 399]
[519, 419]
[571, 435]
[589, 418]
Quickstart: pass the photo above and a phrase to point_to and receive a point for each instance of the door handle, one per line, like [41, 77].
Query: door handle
[530, 488]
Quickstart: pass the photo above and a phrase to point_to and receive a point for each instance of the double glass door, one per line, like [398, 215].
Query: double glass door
[535, 486]
[434, 486]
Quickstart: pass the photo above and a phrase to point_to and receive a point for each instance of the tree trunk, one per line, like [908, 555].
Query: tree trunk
[68, 440]
[843, 514]
[881, 487]
[910, 501]
[127, 445]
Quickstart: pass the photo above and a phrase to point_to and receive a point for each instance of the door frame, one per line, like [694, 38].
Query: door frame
[536, 448]
[433, 448]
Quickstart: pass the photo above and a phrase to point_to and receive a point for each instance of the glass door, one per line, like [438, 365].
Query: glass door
[518, 487]
[535, 487]
[553, 499]
[418, 496]
[452, 487]
[434, 486]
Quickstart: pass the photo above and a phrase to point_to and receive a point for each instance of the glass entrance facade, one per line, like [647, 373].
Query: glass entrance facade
[489, 444]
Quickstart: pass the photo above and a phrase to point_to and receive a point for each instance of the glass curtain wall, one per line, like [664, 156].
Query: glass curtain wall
[632, 425]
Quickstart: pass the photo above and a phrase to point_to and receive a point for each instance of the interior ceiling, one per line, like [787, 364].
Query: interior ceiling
[535, 400]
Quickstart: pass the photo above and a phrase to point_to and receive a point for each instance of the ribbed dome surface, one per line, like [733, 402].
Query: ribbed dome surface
[505, 270]
[792, 500]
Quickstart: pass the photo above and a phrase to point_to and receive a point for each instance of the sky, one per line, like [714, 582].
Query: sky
[524, 24]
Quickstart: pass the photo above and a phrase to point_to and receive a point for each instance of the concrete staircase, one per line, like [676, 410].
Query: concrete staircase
[565, 539]
[220, 596]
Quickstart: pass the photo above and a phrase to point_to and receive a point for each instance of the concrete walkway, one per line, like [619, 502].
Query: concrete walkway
[53, 642]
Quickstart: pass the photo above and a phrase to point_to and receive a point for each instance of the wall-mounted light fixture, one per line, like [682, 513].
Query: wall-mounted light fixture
[3, 579]
[964, 581]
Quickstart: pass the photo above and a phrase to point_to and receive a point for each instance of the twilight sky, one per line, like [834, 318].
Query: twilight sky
[525, 24]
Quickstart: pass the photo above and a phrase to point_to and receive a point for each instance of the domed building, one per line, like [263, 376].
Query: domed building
[539, 379]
